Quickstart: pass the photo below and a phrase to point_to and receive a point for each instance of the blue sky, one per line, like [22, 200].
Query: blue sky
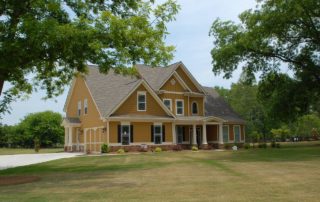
[189, 33]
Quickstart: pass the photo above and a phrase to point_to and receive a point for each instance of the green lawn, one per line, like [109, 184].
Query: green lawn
[286, 174]
[8, 151]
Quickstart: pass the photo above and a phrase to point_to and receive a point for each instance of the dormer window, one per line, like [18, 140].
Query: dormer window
[194, 108]
[79, 107]
[141, 101]
[85, 105]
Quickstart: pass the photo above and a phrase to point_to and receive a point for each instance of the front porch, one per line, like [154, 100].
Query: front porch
[203, 136]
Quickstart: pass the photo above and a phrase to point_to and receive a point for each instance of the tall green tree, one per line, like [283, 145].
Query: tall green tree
[276, 33]
[50, 40]
[242, 97]
[44, 126]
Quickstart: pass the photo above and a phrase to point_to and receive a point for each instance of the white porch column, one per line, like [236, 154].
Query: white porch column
[70, 136]
[204, 134]
[220, 133]
[66, 136]
[194, 131]
[174, 136]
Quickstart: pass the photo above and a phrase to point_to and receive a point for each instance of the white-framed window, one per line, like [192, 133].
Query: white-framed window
[237, 133]
[141, 101]
[225, 133]
[79, 107]
[168, 103]
[157, 132]
[179, 107]
[85, 105]
[194, 108]
[125, 134]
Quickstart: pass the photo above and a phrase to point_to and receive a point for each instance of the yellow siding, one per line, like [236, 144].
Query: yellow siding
[141, 132]
[187, 80]
[81, 92]
[177, 87]
[168, 132]
[130, 105]
[113, 135]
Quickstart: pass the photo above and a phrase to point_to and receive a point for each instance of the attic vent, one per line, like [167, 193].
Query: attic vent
[173, 82]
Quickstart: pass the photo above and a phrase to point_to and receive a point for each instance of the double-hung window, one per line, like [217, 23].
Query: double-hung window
[157, 131]
[141, 101]
[79, 108]
[85, 105]
[179, 107]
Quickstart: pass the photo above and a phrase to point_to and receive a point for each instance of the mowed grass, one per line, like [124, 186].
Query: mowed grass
[9, 151]
[285, 174]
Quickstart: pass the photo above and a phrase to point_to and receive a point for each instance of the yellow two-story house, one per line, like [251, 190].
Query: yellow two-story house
[159, 107]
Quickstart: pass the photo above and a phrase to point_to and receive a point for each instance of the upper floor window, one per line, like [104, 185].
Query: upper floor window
[141, 101]
[194, 108]
[79, 108]
[85, 105]
[167, 103]
[179, 107]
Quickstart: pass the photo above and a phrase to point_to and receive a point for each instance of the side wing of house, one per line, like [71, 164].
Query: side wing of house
[81, 107]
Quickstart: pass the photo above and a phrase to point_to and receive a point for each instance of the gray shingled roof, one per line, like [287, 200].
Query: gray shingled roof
[155, 76]
[218, 107]
[108, 90]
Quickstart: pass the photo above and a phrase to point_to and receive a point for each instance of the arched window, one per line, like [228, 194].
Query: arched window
[194, 108]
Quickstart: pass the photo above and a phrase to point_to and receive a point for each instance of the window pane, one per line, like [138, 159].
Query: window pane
[142, 106]
[179, 111]
[167, 103]
[142, 98]
[179, 104]
[157, 129]
[157, 139]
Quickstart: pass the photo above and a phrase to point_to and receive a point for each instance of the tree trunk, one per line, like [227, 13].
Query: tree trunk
[1, 86]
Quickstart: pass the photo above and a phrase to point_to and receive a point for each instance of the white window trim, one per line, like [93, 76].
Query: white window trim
[154, 132]
[166, 99]
[228, 132]
[85, 105]
[177, 100]
[192, 108]
[79, 108]
[145, 95]
[234, 134]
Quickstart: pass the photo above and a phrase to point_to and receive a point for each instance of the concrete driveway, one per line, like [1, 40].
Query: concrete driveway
[10, 161]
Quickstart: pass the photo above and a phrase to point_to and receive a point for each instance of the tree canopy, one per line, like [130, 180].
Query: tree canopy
[43, 126]
[52, 40]
[273, 35]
